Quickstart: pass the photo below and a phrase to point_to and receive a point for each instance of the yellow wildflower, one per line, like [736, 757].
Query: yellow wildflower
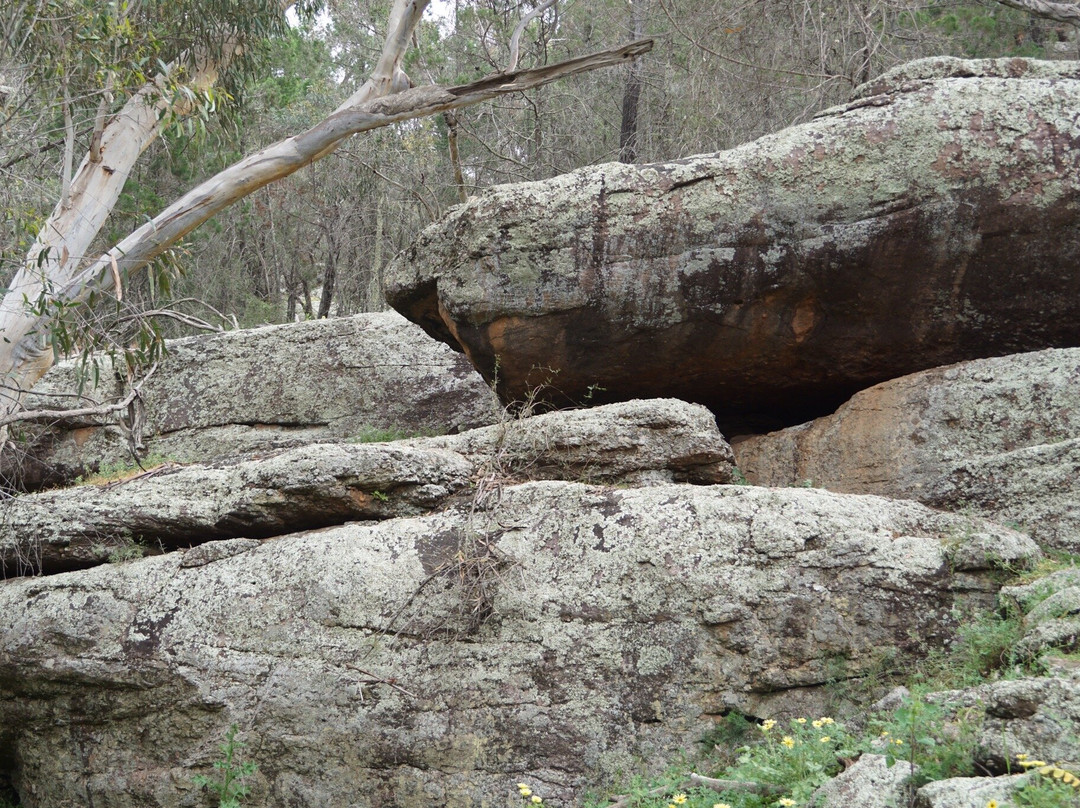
[787, 802]
[721, 805]
[536, 800]
[992, 804]
[679, 799]
[1029, 764]
[1058, 773]
[898, 741]
[767, 725]
[816, 723]
[524, 790]
[827, 721]
[789, 742]
[800, 720]
[1072, 779]
[825, 739]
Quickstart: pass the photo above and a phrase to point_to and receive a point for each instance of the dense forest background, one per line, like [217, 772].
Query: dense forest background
[315, 244]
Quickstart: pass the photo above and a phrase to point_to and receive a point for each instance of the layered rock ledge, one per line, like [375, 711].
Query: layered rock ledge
[933, 219]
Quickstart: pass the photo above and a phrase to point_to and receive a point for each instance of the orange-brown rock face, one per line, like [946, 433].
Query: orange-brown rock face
[931, 220]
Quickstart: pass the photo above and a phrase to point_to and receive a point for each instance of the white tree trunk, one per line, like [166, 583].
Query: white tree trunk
[61, 280]
[54, 263]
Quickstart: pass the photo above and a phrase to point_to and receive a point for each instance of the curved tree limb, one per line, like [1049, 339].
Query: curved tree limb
[1059, 12]
[515, 39]
[52, 416]
[292, 154]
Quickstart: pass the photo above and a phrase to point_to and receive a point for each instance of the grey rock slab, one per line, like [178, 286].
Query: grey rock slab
[1037, 717]
[1051, 607]
[176, 506]
[868, 783]
[932, 222]
[560, 635]
[635, 442]
[969, 792]
[648, 441]
[260, 389]
[998, 437]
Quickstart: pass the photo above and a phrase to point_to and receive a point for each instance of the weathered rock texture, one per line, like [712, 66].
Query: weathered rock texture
[969, 792]
[265, 388]
[660, 440]
[1000, 437]
[930, 220]
[654, 440]
[869, 783]
[1051, 609]
[556, 637]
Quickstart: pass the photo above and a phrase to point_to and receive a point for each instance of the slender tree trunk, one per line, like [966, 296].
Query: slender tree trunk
[329, 273]
[455, 158]
[54, 263]
[62, 279]
[628, 131]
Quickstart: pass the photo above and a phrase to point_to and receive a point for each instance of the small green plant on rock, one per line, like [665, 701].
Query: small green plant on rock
[939, 741]
[229, 783]
[796, 760]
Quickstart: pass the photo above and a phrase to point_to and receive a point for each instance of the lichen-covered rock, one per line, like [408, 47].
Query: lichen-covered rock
[558, 633]
[1051, 607]
[179, 506]
[869, 783]
[999, 437]
[930, 221]
[653, 440]
[1035, 716]
[316, 486]
[260, 389]
[969, 792]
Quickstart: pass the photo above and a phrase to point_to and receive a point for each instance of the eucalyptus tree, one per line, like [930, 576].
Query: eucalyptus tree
[58, 273]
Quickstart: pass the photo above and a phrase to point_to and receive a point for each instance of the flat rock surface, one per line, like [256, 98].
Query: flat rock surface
[175, 505]
[999, 437]
[559, 634]
[929, 221]
[260, 389]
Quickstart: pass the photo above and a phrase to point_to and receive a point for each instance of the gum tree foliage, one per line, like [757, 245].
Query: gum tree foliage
[88, 86]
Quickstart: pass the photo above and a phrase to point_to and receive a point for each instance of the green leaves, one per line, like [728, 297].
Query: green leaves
[229, 784]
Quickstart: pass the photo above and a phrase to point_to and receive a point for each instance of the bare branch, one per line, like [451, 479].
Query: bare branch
[1059, 12]
[292, 154]
[84, 412]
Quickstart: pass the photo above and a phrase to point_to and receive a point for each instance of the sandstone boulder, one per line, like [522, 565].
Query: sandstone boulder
[556, 634]
[932, 219]
[1051, 609]
[654, 440]
[869, 783]
[999, 437]
[320, 485]
[969, 792]
[261, 389]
